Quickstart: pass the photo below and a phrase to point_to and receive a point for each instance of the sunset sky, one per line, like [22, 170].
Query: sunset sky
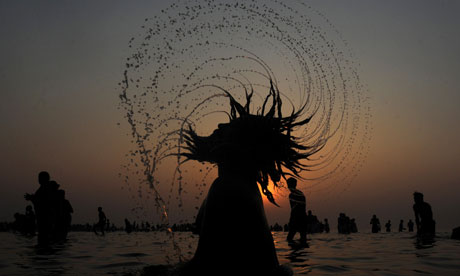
[61, 62]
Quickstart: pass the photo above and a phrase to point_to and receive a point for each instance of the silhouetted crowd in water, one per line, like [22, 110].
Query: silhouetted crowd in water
[53, 216]
[53, 212]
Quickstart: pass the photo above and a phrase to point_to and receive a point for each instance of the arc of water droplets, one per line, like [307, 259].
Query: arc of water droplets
[191, 51]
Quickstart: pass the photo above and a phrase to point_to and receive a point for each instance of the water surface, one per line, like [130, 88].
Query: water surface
[328, 254]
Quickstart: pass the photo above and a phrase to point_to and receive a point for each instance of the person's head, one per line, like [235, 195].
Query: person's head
[257, 145]
[29, 208]
[309, 212]
[43, 178]
[418, 197]
[374, 216]
[291, 183]
[325, 220]
[99, 209]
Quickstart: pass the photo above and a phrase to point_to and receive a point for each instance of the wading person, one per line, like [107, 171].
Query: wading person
[101, 223]
[42, 201]
[423, 216]
[298, 218]
[375, 224]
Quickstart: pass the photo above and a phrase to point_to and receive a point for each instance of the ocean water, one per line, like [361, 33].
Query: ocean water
[119, 253]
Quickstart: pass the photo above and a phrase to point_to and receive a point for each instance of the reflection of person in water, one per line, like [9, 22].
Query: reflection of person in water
[249, 150]
[298, 218]
[423, 216]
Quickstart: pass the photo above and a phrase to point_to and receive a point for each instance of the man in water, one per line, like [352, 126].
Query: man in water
[388, 226]
[410, 225]
[42, 201]
[101, 223]
[401, 226]
[375, 224]
[423, 216]
[298, 219]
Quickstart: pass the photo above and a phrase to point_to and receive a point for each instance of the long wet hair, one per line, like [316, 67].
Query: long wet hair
[261, 143]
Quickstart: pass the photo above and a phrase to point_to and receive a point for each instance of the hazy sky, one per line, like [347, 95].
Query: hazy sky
[61, 62]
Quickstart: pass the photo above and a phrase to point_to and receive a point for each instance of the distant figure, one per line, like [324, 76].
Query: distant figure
[298, 218]
[353, 226]
[375, 224]
[326, 226]
[423, 216]
[128, 226]
[101, 223]
[286, 228]
[410, 226]
[401, 226]
[343, 224]
[388, 226]
[30, 225]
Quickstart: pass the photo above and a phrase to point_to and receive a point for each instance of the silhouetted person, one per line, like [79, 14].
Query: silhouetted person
[423, 216]
[298, 218]
[326, 226]
[30, 224]
[64, 215]
[101, 223]
[313, 224]
[410, 226]
[401, 226]
[42, 201]
[375, 224]
[388, 226]
[353, 226]
[286, 227]
[128, 226]
[343, 224]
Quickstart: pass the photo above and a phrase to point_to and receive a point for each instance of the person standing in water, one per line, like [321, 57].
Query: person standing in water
[423, 216]
[326, 226]
[401, 226]
[298, 218]
[375, 224]
[388, 226]
[101, 223]
[410, 226]
[41, 200]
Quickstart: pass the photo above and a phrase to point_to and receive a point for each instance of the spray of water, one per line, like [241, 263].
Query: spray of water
[187, 54]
